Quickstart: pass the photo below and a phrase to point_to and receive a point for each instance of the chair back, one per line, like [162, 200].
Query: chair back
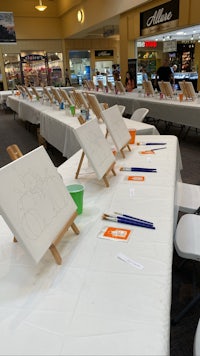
[196, 347]
[139, 114]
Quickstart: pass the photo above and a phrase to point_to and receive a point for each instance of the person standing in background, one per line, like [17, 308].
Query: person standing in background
[67, 80]
[164, 73]
[115, 72]
[129, 82]
[144, 74]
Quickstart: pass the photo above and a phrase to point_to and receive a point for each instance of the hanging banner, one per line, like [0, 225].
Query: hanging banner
[7, 28]
[170, 46]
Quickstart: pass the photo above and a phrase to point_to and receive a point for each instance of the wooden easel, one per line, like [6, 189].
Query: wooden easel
[122, 152]
[28, 93]
[188, 90]
[35, 92]
[110, 86]
[46, 92]
[166, 89]
[52, 248]
[65, 97]
[56, 95]
[15, 153]
[82, 100]
[95, 106]
[100, 85]
[119, 86]
[148, 88]
[111, 168]
[59, 237]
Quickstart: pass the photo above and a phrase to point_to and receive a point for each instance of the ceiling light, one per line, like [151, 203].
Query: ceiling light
[80, 16]
[40, 7]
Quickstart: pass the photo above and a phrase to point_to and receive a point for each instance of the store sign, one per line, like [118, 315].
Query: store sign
[104, 53]
[170, 46]
[33, 57]
[147, 44]
[7, 28]
[160, 18]
[150, 44]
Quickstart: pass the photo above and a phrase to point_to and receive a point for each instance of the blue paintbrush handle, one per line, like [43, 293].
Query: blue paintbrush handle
[135, 223]
[135, 219]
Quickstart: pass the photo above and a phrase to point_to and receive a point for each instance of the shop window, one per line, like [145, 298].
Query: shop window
[12, 69]
[79, 66]
[55, 64]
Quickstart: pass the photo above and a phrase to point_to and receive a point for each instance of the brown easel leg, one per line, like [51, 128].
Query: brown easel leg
[55, 254]
[74, 228]
[79, 166]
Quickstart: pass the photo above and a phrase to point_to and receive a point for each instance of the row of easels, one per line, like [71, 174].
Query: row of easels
[34, 201]
[95, 145]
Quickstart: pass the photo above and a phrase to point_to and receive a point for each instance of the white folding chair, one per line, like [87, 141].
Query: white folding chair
[139, 114]
[188, 197]
[187, 245]
[196, 346]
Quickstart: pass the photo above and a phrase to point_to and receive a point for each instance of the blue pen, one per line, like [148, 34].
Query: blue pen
[151, 143]
[133, 218]
[156, 149]
[128, 221]
[137, 169]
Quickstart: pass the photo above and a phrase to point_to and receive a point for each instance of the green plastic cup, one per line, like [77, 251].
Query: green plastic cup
[76, 191]
[72, 109]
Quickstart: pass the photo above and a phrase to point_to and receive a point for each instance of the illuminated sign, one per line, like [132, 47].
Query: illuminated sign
[147, 44]
[159, 18]
[150, 44]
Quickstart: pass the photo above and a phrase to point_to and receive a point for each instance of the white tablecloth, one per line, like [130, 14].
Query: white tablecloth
[183, 113]
[94, 303]
[5, 93]
[120, 99]
[56, 126]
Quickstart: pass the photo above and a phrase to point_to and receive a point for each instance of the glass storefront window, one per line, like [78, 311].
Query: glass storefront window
[12, 69]
[34, 68]
[55, 64]
[104, 67]
[79, 66]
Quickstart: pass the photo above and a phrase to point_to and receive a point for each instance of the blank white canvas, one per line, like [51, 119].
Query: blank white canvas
[116, 126]
[95, 146]
[34, 201]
